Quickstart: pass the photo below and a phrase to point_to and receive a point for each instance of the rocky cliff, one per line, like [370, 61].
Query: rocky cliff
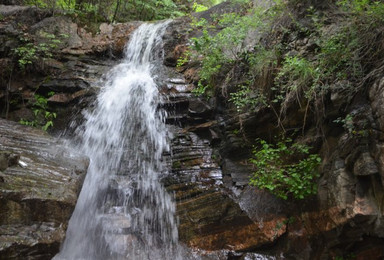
[343, 220]
[218, 210]
[40, 180]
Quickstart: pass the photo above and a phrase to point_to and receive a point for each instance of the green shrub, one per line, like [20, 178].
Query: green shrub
[254, 90]
[286, 169]
[246, 97]
[338, 57]
[43, 118]
[183, 59]
[352, 45]
[346, 51]
[296, 77]
[29, 52]
[199, 7]
[220, 50]
[347, 47]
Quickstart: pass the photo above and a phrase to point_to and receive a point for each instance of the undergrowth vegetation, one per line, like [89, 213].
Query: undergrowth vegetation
[343, 49]
[222, 50]
[285, 169]
[278, 58]
[123, 10]
[30, 53]
[43, 118]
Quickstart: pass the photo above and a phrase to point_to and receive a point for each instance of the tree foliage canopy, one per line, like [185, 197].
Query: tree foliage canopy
[123, 10]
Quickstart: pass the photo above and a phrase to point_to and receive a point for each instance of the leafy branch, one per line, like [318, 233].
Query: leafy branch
[43, 118]
[30, 53]
[285, 169]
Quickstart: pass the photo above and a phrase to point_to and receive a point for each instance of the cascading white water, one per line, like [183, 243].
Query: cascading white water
[123, 211]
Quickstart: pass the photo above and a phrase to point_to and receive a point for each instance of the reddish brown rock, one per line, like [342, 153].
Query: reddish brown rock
[212, 221]
[65, 98]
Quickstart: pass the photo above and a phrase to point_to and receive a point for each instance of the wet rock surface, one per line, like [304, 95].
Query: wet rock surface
[73, 81]
[345, 216]
[208, 162]
[211, 215]
[39, 184]
[69, 75]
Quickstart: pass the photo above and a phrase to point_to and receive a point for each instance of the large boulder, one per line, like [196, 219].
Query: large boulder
[40, 180]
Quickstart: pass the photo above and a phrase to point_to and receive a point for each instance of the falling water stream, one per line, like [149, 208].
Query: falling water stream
[123, 211]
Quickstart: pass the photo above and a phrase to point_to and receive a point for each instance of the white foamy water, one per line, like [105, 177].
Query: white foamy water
[123, 211]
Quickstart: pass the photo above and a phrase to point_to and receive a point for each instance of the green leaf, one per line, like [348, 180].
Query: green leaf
[284, 177]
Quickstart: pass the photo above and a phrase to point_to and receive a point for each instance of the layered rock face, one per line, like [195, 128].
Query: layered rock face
[70, 71]
[209, 168]
[214, 213]
[40, 180]
[343, 220]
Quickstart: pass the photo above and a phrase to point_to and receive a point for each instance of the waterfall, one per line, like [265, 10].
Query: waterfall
[123, 211]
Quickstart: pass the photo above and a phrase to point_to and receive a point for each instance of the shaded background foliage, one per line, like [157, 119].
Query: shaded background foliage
[118, 10]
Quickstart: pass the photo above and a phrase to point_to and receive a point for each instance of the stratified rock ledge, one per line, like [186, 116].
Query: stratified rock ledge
[40, 180]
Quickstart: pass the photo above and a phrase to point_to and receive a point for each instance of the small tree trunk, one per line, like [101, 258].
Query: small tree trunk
[116, 10]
